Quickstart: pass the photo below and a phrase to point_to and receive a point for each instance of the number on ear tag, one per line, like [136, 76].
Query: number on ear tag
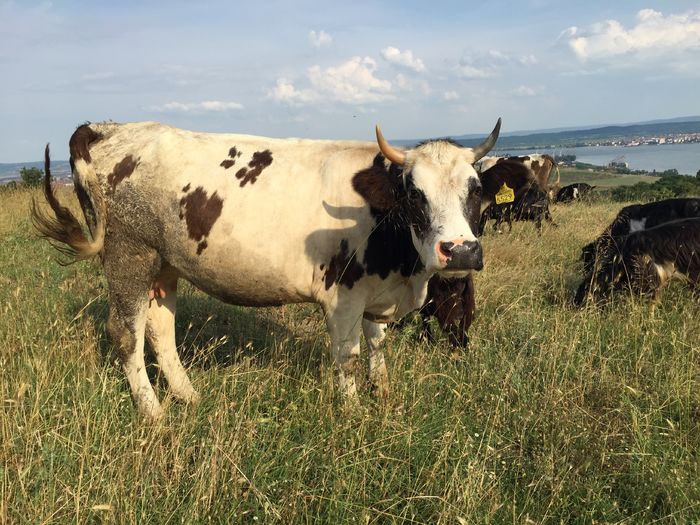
[505, 194]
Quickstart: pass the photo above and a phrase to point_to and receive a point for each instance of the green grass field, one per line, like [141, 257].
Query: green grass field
[554, 415]
[601, 179]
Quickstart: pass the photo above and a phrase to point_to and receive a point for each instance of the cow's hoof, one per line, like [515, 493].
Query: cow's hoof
[151, 413]
[380, 391]
[189, 397]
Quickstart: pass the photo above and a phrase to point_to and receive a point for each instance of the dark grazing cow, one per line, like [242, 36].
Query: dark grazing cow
[643, 261]
[453, 303]
[637, 217]
[529, 204]
[572, 192]
[357, 227]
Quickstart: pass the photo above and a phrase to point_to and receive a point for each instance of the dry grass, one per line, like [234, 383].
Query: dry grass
[554, 415]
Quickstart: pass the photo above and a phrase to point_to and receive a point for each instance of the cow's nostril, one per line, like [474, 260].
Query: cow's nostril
[446, 248]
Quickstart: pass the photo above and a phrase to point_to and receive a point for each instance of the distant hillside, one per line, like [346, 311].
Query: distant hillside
[60, 169]
[582, 137]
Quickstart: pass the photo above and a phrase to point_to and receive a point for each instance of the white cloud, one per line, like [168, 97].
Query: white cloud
[489, 64]
[320, 38]
[403, 58]
[352, 82]
[285, 91]
[450, 95]
[402, 82]
[653, 35]
[196, 107]
[470, 72]
[524, 91]
[528, 60]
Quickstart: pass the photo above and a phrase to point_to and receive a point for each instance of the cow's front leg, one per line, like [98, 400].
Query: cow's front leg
[378, 376]
[344, 328]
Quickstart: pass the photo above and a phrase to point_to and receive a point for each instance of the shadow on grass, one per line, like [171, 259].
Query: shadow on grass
[210, 333]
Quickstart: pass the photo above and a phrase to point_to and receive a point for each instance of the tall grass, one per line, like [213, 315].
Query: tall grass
[553, 415]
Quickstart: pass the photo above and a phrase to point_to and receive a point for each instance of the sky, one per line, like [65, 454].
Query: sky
[334, 69]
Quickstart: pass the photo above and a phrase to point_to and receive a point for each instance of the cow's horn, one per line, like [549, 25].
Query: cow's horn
[394, 155]
[483, 148]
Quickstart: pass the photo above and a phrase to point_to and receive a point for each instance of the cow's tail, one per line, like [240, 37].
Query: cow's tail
[62, 226]
[555, 166]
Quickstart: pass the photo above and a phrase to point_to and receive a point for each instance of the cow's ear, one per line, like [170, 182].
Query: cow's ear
[514, 174]
[378, 185]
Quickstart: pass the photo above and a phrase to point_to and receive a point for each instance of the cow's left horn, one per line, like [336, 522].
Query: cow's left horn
[394, 155]
[483, 148]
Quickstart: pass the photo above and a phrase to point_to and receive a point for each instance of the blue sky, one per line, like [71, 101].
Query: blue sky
[334, 69]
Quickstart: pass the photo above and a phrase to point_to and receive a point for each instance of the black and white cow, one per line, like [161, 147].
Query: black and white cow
[357, 227]
[573, 192]
[452, 300]
[637, 217]
[643, 261]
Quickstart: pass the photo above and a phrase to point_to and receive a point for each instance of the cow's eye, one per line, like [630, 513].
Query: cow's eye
[477, 191]
[414, 194]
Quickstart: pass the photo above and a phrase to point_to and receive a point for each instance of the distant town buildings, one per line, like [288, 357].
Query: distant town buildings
[671, 138]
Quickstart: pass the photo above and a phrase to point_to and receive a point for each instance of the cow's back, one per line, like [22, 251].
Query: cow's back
[261, 215]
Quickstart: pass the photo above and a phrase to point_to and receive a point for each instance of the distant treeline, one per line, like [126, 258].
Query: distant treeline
[666, 187]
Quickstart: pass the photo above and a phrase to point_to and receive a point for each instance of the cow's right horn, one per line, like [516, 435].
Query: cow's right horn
[483, 148]
[394, 155]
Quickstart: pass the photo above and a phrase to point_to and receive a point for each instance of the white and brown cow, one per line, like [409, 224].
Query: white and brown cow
[358, 227]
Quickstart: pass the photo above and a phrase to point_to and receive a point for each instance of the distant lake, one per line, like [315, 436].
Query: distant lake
[683, 157]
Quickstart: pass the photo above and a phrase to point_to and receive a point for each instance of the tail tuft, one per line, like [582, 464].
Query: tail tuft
[63, 227]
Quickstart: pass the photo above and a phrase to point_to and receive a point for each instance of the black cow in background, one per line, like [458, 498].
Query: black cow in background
[572, 192]
[637, 217]
[643, 261]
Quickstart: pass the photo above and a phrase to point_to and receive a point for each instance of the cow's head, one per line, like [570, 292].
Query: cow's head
[437, 191]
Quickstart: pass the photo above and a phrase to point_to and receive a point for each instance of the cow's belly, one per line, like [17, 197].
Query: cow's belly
[391, 299]
[243, 276]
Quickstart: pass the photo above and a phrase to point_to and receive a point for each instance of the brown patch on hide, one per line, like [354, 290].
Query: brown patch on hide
[80, 141]
[379, 185]
[234, 154]
[343, 268]
[200, 213]
[260, 161]
[186, 188]
[122, 170]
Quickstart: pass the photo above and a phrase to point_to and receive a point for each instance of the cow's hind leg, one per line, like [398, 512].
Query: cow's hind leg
[160, 333]
[130, 271]
[378, 376]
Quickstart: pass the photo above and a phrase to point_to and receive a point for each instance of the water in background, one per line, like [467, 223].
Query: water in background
[683, 157]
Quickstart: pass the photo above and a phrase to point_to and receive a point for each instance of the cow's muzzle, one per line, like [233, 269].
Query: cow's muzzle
[461, 255]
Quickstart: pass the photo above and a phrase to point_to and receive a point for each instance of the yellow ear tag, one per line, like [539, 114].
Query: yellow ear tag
[505, 194]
